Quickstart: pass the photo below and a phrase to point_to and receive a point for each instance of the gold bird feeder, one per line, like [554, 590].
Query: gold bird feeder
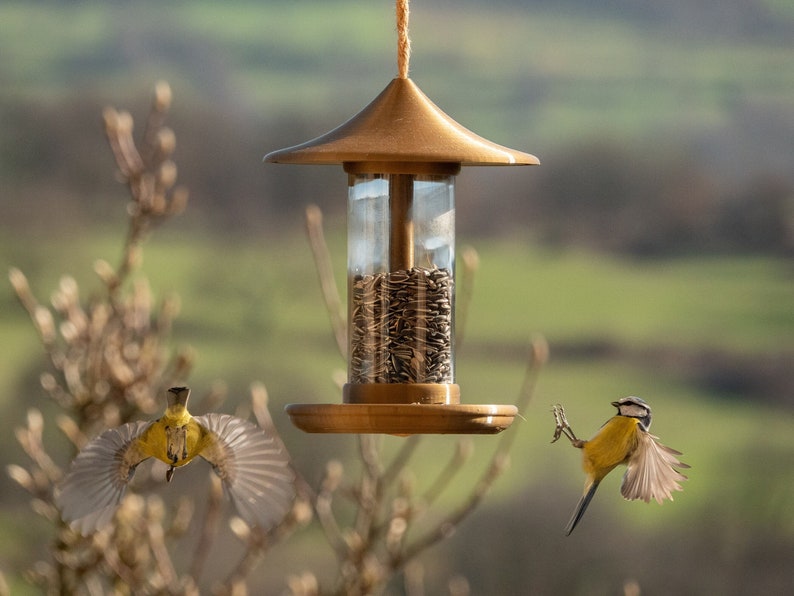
[401, 154]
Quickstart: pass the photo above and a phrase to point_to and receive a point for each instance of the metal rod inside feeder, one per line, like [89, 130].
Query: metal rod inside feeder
[401, 233]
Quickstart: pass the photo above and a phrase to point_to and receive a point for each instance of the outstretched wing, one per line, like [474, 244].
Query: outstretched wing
[652, 471]
[97, 479]
[253, 467]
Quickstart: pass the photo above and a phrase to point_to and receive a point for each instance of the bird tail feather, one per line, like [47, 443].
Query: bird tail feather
[581, 507]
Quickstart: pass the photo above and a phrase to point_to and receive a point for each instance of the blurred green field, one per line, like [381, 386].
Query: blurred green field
[251, 298]
[536, 79]
[511, 75]
[252, 311]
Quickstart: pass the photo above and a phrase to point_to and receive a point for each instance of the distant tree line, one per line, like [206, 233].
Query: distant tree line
[608, 197]
[601, 194]
[735, 18]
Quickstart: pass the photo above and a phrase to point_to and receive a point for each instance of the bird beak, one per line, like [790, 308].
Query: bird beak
[616, 404]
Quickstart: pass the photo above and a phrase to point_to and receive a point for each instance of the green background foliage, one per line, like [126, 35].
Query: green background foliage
[674, 120]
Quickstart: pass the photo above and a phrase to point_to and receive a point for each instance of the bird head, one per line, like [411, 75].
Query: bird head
[177, 396]
[635, 407]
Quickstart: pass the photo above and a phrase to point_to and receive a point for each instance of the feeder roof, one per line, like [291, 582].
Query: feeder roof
[401, 125]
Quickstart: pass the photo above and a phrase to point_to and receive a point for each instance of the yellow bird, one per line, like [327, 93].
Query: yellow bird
[254, 469]
[652, 468]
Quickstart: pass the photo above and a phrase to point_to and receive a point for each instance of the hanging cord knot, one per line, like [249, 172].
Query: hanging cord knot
[403, 42]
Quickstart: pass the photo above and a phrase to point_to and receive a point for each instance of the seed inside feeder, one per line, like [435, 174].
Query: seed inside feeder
[401, 329]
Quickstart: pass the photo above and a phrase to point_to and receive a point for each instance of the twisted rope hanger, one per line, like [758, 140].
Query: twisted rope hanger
[403, 42]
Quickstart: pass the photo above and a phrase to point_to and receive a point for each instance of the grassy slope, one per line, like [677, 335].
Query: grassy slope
[253, 311]
[513, 74]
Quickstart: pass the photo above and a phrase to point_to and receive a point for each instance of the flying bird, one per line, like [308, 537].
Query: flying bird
[253, 467]
[652, 468]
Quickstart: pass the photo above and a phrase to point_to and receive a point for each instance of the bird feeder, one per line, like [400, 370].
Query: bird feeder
[401, 154]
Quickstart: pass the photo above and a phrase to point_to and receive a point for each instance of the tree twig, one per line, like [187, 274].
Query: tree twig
[537, 358]
[471, 263]
[209, 527]
[325, 271]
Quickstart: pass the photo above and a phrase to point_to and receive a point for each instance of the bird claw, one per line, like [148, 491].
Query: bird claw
[559, 418]
[562, 428]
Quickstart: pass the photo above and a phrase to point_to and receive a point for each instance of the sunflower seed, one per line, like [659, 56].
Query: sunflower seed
[401, 327]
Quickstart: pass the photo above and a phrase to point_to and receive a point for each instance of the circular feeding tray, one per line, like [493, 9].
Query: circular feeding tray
[402, 419]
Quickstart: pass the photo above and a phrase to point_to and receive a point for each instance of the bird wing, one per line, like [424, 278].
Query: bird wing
[253, 467]
[97, 479]
[652, 471]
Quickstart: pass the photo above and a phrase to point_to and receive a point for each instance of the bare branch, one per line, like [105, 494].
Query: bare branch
[499, 462]
[463, 450]
[400, 460]
[471, 263]
[209, 527]
[325, 271]
[256, 545]
[162, 557]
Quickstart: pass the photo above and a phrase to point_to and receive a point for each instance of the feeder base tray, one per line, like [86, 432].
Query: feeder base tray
[402, 419]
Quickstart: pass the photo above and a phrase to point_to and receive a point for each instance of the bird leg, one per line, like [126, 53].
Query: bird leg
[563, 428]
[169, 473]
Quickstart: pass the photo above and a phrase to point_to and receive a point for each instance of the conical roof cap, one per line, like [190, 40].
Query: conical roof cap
[401, 125]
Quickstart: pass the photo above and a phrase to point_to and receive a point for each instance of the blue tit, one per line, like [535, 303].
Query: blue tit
[652, 468]
[252, 465]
